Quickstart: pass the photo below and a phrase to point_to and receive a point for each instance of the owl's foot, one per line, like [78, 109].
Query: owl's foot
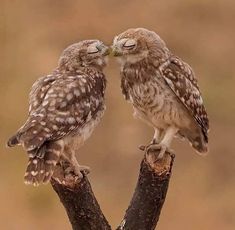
[66, 173]
[144, 147]
[74, 172]
[158, 149]
[80, 170]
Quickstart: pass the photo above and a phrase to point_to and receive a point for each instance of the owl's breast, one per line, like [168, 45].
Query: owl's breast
[77, 138]
[156, 104]
[149, 96]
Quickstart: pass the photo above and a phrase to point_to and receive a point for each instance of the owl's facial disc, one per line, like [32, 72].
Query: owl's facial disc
[129, 44]
[97, 49]
[124, 46]
[129, 50]
[96, 54]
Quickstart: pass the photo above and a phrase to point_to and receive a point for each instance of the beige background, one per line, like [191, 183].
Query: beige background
[33, 34]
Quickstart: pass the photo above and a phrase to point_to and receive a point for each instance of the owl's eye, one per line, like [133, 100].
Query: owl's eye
[92, 50]
[129, 44]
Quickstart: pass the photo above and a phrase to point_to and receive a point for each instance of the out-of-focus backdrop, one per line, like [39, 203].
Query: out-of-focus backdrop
[33, 34]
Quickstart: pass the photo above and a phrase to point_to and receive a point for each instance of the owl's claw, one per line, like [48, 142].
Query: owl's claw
[81, 170]
[154, 148]
[67, 173]
[145, 147]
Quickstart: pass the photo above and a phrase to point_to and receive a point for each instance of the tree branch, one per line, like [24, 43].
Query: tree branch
[79, 201]
[145, 207]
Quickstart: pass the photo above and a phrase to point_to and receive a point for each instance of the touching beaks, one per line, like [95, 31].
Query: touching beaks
[115, 52]
[107, 51]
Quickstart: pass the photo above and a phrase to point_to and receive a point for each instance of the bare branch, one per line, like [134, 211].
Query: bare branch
[144, 210]
[79, 201]
[150, 193]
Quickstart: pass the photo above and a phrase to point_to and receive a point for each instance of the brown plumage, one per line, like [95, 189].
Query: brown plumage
[162, 89]
[65, 107]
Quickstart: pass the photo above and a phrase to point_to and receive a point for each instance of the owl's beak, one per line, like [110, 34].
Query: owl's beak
[115, 52]
[107, 51]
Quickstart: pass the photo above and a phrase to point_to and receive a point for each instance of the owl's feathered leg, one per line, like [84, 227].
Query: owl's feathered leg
[156, 136]
[70, 156]
[78, 168]
[164, 145]
[155, 140]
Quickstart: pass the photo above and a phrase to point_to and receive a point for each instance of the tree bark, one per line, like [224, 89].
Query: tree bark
[76, 195]
[144, 209]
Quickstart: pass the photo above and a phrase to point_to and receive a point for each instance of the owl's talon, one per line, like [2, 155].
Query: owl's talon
[145, 147]
[155, 147]
[153, 142]
[81, 170]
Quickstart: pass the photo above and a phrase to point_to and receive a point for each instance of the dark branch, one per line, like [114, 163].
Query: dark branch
[149, 196]
[144, 210]
[80, 203]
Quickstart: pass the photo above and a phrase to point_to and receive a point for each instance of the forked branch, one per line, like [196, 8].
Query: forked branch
[144, 209]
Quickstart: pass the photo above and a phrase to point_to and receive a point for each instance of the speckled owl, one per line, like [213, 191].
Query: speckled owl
[64, 109]
[162, 89]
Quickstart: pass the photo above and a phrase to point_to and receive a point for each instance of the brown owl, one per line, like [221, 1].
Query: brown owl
[64, 109]
[162, 89]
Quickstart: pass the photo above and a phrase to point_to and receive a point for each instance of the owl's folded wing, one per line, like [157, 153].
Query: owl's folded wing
[180, 78]
[66, 105]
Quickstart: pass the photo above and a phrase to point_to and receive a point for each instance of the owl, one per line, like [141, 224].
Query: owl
[64, 108]
[162, 89]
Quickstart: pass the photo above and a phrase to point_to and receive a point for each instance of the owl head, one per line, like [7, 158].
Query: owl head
[134, 45]
[87, 53]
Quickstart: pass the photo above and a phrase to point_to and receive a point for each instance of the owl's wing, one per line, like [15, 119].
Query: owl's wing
[66, 105]
[181, 79]
[39, 90]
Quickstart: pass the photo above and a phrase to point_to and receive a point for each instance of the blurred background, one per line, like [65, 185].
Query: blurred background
[33, 34]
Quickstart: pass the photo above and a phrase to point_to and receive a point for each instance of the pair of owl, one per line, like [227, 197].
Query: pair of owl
[66, 105]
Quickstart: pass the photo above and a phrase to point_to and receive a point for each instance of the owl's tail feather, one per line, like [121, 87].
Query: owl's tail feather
[40, 170]
[200, 145]
[13, 141]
